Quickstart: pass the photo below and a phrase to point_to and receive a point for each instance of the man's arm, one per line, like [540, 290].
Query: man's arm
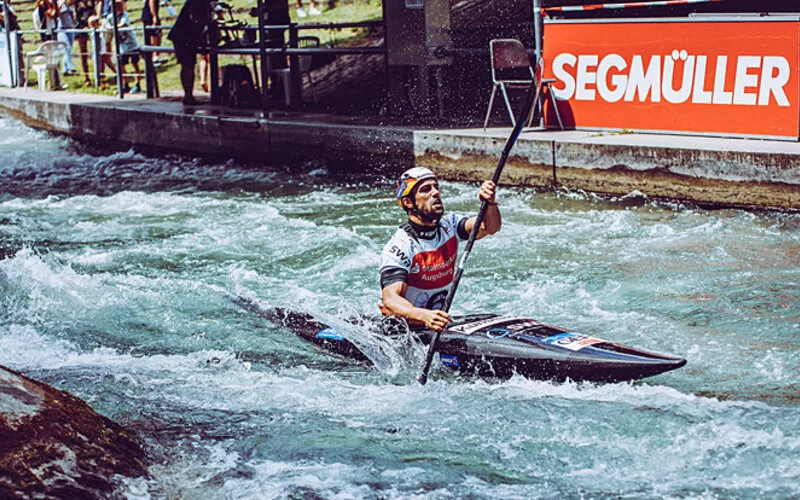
[394, 300]
[492, 220]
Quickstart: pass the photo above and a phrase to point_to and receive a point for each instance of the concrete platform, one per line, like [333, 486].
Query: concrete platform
[709, 171]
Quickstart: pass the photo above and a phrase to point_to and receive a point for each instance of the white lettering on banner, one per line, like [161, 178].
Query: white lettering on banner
[642, 82]
[757, 79]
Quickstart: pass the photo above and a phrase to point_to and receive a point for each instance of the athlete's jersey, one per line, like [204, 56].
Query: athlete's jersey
[425, 259]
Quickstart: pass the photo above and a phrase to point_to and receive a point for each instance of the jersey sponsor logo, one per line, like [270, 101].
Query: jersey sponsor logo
[435, 268]
[399, 253]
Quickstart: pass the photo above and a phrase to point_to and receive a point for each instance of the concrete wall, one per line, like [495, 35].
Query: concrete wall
[714, 172]
[709, 171]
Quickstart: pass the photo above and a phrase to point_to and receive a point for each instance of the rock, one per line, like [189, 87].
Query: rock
[53, 445]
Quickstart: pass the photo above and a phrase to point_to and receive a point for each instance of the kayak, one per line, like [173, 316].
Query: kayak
[489, 345]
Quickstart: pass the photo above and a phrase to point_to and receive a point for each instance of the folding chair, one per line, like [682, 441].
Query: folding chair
[511, 69]
[46, 59]
[544, 84]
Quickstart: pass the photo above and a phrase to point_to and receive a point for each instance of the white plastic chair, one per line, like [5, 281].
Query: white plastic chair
[303, 66]
[43, 60]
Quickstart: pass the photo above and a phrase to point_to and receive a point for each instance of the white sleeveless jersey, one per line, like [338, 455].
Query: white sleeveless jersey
[425, 260]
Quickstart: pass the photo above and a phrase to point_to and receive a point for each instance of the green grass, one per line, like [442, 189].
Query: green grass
[346, 11]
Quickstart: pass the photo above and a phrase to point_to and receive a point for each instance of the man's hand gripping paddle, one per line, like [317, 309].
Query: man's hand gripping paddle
[521, 119]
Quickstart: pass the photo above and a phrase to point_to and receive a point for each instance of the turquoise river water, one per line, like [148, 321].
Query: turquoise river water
[114, 270]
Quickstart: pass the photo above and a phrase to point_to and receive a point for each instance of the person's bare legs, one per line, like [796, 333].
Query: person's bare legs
[205, 72]
[83, 47]
[187, 82]
[138, 79]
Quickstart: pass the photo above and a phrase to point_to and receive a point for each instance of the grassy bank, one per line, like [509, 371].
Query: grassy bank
[346, 11]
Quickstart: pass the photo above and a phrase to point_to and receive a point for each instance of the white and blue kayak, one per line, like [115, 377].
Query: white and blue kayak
[489, 345]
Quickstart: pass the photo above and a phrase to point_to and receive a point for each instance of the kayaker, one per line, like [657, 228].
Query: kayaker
[418, 263]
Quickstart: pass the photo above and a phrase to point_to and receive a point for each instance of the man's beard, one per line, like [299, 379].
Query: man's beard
[431, 217]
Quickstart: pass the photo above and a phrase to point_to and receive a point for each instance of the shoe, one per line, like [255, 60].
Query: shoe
[314, 11]
[71, 72]
[190, 101]
[87, 82]
[301, 12]
[136, 89]
[126, 88]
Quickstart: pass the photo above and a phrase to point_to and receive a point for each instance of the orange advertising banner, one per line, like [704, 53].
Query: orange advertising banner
[723, 77]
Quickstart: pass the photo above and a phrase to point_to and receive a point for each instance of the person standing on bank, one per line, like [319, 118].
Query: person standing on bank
[152, 36]
[83, 11]
[186, 35]
[66, 22]
[419, 261]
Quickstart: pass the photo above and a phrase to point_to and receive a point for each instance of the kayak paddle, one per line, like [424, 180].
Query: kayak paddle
[521, 119]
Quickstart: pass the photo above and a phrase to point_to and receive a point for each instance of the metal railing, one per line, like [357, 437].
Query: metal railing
[97, 42]
[254, 48]
[98, 39]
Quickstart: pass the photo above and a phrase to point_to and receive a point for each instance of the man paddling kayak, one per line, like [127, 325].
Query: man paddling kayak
[418, 263]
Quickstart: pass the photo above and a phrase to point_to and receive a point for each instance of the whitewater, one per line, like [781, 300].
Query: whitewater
[115, 274]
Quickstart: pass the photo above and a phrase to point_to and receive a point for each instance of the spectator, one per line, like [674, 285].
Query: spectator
[83, 11]
[66, 21]
[128, 46]
[103, 8]
[13, 25]
[186, 35]
[312, 8]
[152, 36]
[45, 18]
[98, 23]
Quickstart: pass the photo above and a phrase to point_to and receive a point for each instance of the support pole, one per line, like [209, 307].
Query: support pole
[7, 17]
[97, 58]
[262, 55]
[295, 78]
[118, 57]
[538, 29]
[538, 35]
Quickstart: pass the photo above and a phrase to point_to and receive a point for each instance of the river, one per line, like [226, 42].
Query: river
[114, 274]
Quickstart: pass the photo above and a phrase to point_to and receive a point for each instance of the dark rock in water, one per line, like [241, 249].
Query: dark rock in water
[53, 445]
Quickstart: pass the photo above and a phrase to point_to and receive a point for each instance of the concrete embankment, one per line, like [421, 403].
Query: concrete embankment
[706, 170]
